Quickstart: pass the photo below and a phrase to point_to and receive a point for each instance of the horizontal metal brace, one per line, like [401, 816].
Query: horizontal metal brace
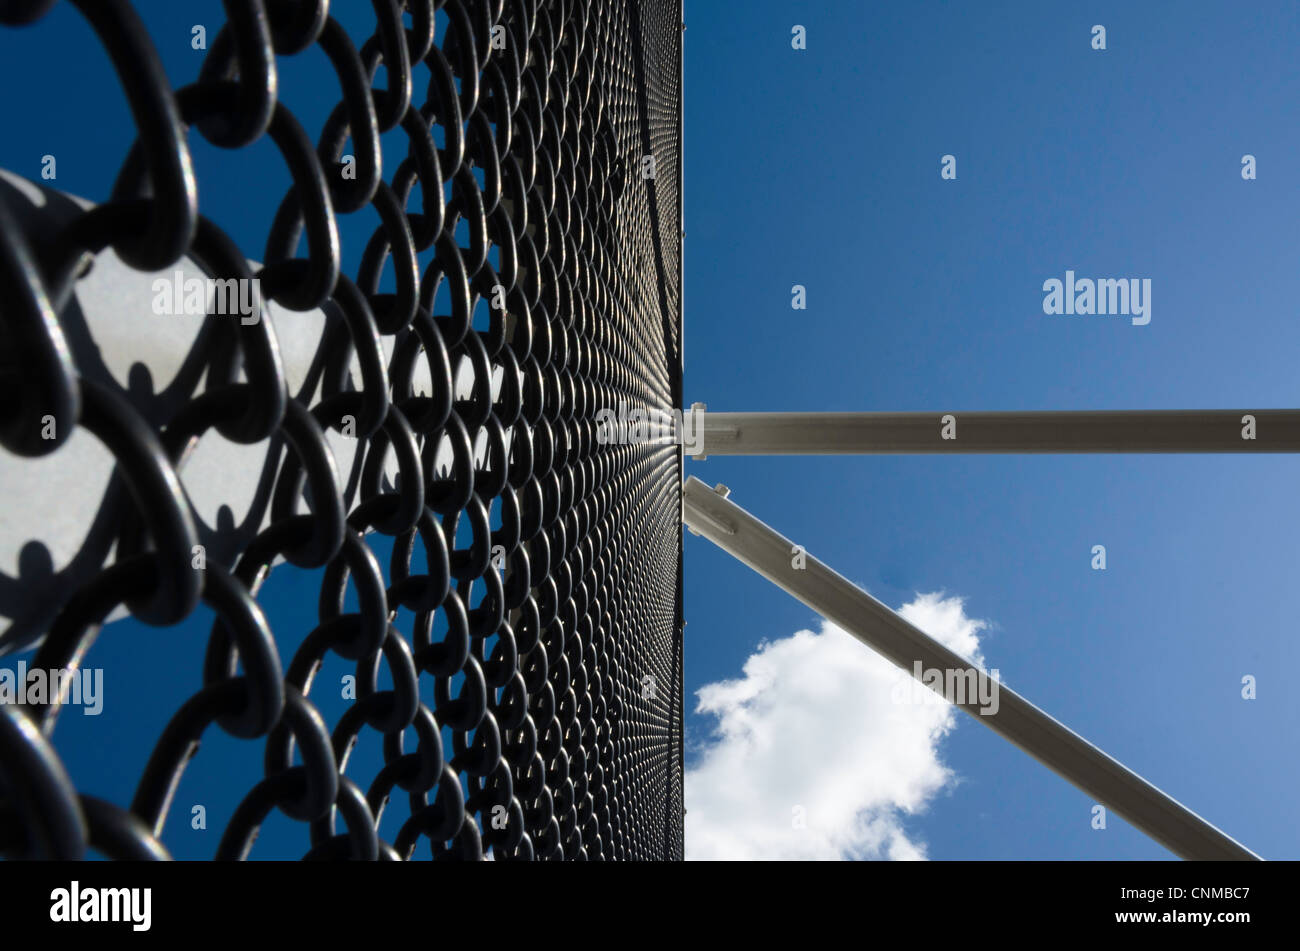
[1054, 745]
[1190, 431]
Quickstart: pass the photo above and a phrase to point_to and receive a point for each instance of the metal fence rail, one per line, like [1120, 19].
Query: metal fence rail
[709, 512]
[531, 231]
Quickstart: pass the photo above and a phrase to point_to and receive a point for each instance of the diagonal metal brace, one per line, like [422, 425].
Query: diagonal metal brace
[710, 513]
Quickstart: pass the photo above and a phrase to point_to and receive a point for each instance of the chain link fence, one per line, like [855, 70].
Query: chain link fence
[524, 277]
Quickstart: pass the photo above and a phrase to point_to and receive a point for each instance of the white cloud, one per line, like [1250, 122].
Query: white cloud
[811, 726]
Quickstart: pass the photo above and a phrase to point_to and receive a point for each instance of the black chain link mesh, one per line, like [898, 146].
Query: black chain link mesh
[553, 621]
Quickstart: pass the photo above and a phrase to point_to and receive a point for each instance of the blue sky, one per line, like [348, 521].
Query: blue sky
[821, 167]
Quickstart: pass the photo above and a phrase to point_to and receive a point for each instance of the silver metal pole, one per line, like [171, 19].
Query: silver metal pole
[762, 434]
[708, 512]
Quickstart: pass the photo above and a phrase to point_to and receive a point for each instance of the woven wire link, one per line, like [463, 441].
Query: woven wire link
[554, 622]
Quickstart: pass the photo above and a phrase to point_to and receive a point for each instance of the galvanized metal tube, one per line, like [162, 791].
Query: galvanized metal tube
[759, 434]
[709, 513]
